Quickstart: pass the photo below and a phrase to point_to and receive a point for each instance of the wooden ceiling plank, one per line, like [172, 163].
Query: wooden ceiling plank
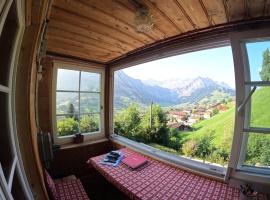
[236, 9]
[55, 44]
[82, 9]
[91, 35]
[171, 10]
[93, 26]
[66, 34]
[256, 8]
[160, 23]
[162, 20]
[123, 13]
[226, 10]
[216, 11]
[80, 45]
[209, 17]
[72, 53]
[195, 11]
[266, 11]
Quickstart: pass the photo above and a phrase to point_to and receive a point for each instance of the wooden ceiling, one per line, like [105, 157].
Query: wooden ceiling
[103, 30]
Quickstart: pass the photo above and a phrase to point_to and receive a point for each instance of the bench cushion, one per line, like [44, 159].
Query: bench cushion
[70, 190]
[51, 186]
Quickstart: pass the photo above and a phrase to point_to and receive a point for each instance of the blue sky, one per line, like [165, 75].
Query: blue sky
[255, 51]
[216, 64]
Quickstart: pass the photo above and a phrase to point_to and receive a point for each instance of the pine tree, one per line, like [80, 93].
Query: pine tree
[71, 110]
[265, 72]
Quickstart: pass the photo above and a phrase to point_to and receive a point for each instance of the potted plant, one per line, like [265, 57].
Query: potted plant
[78, 138]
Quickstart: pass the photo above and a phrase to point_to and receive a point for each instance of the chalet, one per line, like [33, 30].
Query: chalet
[70, 51]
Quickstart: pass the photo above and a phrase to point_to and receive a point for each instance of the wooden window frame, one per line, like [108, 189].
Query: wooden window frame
[84, 68]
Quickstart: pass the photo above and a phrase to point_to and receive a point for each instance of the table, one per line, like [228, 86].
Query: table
[158, 180]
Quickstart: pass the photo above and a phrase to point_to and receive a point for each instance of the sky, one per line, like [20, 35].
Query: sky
[216, 64]
[255, 51]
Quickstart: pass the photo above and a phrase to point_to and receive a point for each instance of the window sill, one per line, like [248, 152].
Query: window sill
[250, 177]
[214, 172]
[85, 143]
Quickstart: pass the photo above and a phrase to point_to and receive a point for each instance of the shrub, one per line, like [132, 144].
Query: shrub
[67, 126]
[189, 148]
[88, 124]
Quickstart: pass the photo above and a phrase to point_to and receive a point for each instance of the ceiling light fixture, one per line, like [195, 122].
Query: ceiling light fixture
[143, 19]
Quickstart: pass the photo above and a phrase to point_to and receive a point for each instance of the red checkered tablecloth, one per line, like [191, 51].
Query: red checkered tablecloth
[157, 180]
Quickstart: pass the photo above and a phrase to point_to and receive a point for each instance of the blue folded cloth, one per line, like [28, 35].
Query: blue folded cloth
[112, 158]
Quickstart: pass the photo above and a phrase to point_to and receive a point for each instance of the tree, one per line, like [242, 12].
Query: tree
[215, 111]
[127, 122]
[155, 130]
[204, 147]
[71, 112]
[189, 148]
[265, 71]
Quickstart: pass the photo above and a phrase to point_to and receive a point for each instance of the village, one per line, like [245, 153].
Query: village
[183, 119]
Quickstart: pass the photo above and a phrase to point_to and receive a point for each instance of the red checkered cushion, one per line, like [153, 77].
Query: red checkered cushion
[157, 180]
[51, 186]
[71, 190]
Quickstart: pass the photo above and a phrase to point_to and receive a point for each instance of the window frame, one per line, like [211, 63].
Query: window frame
[217, 172]
[243, 88]
[83, 68]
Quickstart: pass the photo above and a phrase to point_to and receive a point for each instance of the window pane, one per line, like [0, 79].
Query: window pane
[90, 102]
[258, 151]
[67, 125]
[259, 60]
[90, 82]
[67, 80]
[89, 123]
[186, 108]
[260, 104]
[67, 103]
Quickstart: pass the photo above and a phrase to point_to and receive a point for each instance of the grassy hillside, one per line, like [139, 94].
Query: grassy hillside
[220, 124]
[260, 105]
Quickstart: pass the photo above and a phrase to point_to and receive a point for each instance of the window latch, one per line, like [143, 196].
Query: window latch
[242, 106]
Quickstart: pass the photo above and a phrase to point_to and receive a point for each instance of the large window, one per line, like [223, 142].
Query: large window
[255, 149]
[184, 105]
[78, 101]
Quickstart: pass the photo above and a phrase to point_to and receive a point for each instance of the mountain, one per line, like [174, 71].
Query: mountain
[169, 92]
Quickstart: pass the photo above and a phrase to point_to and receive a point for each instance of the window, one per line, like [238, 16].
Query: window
[255, 148]
[184, 105]
[78, 101]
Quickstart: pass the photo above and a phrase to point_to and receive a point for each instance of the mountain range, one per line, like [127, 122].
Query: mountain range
[169, 92]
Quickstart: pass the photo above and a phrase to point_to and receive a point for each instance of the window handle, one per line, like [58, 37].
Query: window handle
[242, 106]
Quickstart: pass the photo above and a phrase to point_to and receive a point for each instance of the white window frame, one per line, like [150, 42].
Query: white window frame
[238, 42]
[181, 162]
[77, 67]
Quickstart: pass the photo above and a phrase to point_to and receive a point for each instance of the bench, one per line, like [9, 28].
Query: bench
[158, 180]
[65, 189]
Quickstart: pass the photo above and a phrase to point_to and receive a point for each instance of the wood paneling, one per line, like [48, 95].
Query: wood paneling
[105, 30]
[216, 11]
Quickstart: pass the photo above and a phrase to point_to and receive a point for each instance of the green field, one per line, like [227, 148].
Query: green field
[221, 127]
[220, 124]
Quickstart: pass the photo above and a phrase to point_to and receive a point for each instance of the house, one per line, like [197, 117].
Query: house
[72, 51]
